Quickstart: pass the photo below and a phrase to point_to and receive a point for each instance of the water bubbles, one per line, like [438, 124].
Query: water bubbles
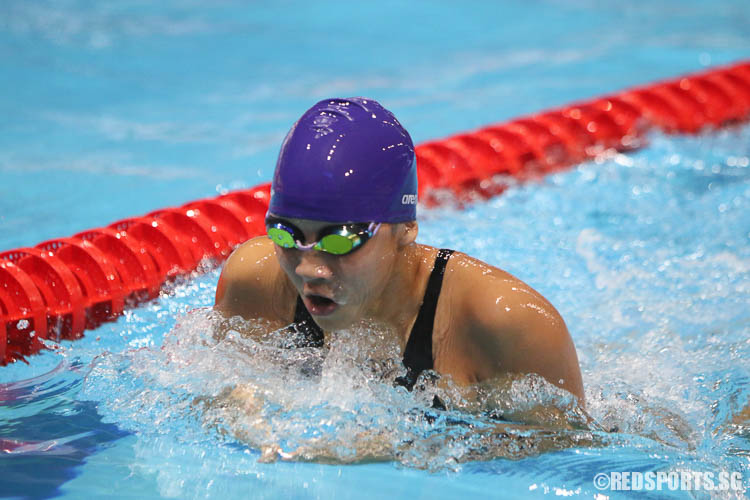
[236, 381]
[624, 160]
[734, 161]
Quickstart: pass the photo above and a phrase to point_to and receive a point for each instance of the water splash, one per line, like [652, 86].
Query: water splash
[236, 382]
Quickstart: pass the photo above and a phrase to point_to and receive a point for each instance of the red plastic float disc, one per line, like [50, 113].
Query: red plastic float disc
[514, 148]
[21, 301]
[570, 131]
[138, 273]
[738, 91]
[599, 125]
[62, 294]
[689, 112]
[433, 178]
[429, 178]
[626, 117]
[716, 103]
[251, 225]
[655, 108]
[254, 210]
[262, 193]
[164, 244]
[4, 356]
[742, 70]
[227, 218]
[99, 280]
[197, 229]
[692, 114]
[487, 162]
[459, 173]
[548, 147]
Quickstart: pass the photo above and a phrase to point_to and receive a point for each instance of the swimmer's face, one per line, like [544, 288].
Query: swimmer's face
[338, 289]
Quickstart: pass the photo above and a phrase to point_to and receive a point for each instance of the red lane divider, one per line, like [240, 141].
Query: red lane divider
[514, 149]
[202, 235]
[136, 269]
[5, 303]
[60, 290]
[169, 250]
[101, 285]
[23, 312]
[63, 286]
[253, 204]
[227, 217]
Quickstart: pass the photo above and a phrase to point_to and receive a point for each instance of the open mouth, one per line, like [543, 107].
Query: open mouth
[319, 305]
[319, 300]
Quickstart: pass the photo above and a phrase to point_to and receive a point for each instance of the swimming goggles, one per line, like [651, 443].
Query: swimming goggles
[338, 239]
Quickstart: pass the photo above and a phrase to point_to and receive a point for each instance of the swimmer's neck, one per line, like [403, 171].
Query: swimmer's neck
[397, 305]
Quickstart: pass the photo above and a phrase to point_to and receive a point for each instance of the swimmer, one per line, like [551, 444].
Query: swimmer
[341, 248]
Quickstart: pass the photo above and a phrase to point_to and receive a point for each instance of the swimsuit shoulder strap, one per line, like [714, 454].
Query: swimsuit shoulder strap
[308, 331]
[418, 352]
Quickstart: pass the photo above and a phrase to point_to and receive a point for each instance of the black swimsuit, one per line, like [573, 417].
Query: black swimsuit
[418, 352]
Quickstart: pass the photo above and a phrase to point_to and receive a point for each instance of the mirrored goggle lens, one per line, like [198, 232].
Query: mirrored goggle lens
[336, 244]
[281, 237]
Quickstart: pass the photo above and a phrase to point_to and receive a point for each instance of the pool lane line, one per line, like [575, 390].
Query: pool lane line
[62, 287]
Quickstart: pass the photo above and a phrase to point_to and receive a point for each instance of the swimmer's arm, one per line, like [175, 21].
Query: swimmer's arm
[513, 329]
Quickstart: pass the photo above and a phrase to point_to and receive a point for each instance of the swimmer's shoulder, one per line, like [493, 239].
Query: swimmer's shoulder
[477, 285]
[507, 326]
[477, 293]
[469, 280]
[252, 284]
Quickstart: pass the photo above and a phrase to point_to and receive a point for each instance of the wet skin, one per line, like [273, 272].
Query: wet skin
[488, 323]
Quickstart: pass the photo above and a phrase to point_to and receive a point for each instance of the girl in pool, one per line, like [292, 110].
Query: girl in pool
[341, 248]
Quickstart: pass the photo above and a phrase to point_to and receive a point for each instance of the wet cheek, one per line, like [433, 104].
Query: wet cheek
[363, 282]
[350, 291]
[287, 263]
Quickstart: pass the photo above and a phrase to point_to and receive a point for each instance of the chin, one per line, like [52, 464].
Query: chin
[333, 322]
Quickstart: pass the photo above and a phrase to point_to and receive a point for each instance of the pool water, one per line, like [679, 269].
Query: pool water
[123, 108]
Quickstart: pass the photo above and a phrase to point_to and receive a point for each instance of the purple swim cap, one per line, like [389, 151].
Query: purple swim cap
[346, 160]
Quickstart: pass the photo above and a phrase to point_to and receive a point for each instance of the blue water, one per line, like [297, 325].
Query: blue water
[114, 109]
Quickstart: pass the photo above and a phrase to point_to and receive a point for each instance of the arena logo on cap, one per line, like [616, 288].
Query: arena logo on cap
[409, 199]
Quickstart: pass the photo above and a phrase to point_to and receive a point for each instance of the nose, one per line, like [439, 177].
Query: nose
[313, 267]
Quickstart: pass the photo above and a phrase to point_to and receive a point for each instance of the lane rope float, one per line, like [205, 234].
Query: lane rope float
[61, 287]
